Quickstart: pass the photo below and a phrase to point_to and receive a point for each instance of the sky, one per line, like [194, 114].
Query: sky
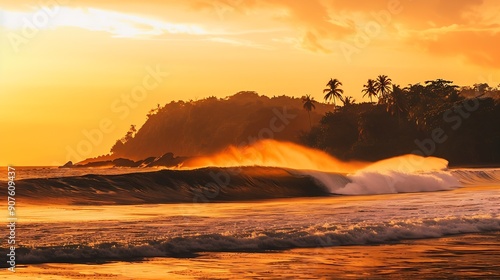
[74, 75]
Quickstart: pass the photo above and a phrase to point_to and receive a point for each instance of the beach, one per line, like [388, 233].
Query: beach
[469, 256]
[421, 235]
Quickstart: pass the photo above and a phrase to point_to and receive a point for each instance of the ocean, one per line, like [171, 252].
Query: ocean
[256, 222]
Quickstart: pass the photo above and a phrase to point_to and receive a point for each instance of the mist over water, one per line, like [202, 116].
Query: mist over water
[272, 153]
[407, 173]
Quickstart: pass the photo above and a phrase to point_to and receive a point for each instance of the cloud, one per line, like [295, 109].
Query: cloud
[314, 20]
[320, 23]
[311, 42]
[478, 45]
[441, 27]
[122, 25]
[310, 18]
[115, 23]
[238, 43]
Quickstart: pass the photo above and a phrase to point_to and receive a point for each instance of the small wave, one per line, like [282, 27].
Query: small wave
[320, 236]
[476, 177]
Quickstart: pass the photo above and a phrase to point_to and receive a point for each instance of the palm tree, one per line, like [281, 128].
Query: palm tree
[370, 89]
[383, 85]
[309, 105]
[396, 102]
[347, 100]
[333, 91]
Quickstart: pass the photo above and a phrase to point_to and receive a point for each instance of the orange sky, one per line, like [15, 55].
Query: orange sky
[70, 69]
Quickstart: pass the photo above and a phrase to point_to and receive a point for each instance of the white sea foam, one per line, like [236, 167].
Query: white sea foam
[316, 236]
[368, 182]
[397, 175]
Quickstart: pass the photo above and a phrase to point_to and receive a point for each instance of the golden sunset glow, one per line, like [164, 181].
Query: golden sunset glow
[87, 70]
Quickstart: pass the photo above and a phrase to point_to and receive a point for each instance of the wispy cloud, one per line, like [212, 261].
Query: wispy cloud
[314, 25]
[242, 43]
[477, 44]
[115, 23]
[125, 25]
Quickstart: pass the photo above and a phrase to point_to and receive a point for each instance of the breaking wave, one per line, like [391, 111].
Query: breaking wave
[247, 183]
[317, 236]
[266, 169]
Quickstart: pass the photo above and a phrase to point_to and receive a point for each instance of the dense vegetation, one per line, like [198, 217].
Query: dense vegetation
[434, 118]
[209, 125]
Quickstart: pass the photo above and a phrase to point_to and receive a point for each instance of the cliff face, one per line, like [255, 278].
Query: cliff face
[209, 125]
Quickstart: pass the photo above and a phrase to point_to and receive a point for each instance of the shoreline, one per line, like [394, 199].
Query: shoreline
[471, 256]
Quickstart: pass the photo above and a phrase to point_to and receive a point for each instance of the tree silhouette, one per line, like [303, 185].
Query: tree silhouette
[347, 100]
[383, 86]
[309, 106]
[130, 134]
[442, 90]
[333, 91]
[396, 102]
[154, 111]
[370, 89]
